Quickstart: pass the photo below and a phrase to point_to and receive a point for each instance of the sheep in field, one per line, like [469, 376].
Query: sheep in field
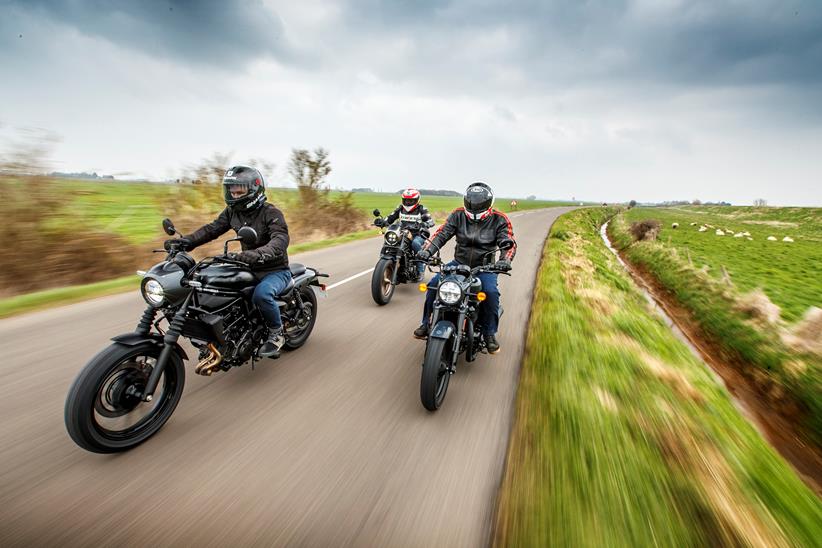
[787, 239]
[703, 229]
[719, 232]
[674, 225]
[771, 238]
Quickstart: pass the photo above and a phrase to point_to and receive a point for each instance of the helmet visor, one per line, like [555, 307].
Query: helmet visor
[478, 201]
[235, 190]
[410, 202]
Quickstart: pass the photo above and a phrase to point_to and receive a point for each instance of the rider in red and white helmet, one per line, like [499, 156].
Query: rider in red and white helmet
[410, 199]
[413, 215]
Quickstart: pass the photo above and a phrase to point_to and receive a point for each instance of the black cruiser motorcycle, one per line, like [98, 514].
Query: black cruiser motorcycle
[397, 264]
[125, 394]
[454, 328]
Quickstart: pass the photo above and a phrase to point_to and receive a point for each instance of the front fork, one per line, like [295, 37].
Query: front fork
[175, 328]
[455, 339]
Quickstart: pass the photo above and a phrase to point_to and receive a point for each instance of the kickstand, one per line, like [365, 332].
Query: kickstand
[253, 361]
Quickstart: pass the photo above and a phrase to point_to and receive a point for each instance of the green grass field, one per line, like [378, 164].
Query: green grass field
[788, 375]
[789, 273]
[134, 210]
[621, 437]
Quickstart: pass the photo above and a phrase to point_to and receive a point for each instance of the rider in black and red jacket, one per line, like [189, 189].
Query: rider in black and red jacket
[412, 215]
[479, 229]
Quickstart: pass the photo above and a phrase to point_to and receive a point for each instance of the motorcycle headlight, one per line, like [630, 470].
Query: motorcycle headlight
[153, 292]
[449, 292]
[392, 238]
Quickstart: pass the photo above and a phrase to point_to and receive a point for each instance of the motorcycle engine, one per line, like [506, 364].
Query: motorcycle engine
[239, 337]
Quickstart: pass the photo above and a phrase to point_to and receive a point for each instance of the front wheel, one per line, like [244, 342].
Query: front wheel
[381, 287]
[103, 416]
[435, 375]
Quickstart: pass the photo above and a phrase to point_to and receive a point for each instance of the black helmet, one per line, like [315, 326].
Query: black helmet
[248, 179]
[479, 198]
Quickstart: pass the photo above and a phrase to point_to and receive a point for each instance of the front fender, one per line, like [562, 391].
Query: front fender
[133, 339]
[443, 330]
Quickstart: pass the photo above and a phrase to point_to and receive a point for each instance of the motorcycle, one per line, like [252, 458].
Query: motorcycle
[397, 264]
[128, 391]
[454, 328]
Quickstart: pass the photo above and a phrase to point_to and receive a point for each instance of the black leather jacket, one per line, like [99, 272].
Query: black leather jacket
[272, 234]
[475, 238]
[418, 220]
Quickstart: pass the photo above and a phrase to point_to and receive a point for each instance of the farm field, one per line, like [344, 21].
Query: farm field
[773, 337]
[134, 210]
[788, 272]
[622, 437]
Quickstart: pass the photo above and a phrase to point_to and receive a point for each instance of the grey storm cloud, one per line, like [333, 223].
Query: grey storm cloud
[211, 32]
[567, 41]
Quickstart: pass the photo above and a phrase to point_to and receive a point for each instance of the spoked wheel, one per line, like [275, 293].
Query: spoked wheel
[102, 412]
[435, 375]
[381, 287]
[297, 334]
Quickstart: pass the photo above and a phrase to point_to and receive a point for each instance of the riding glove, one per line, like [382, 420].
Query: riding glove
[183, 244]
[503, 265]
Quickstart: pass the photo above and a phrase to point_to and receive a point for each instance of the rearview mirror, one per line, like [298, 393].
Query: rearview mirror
[247, 235]
[506, 244]
[377, 213]
[168, 226]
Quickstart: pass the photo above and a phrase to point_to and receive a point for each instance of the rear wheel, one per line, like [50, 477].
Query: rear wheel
[297, 334]
[103, 415]
[381, 287]
[435, 375]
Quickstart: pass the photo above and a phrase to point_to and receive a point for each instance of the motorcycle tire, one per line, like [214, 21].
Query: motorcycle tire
[435, 374]
[92, 401]
[381, 287]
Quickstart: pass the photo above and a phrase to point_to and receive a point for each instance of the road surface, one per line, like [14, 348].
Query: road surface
[327, 446]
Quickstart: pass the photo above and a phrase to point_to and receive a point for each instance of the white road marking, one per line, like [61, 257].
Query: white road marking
[348, 279]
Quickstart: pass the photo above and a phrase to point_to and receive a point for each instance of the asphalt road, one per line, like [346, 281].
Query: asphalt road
[327, 446]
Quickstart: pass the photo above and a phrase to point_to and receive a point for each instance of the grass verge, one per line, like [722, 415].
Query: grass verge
[621, 436]
[788, 376]
[66, 295]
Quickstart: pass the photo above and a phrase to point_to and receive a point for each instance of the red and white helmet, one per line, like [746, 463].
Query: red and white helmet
[410, 199]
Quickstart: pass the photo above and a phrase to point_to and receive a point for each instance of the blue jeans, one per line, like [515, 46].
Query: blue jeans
[265, 296]
[488, 310]
[416, 245]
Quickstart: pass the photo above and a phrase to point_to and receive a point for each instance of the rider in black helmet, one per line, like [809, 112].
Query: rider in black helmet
[479, 229]
[244, 195]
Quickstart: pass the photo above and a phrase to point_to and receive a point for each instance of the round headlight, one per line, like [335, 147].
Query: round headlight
[449, 292]
[392, 238]
[153, 292]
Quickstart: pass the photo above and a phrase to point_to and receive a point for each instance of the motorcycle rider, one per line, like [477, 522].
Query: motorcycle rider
[414, 216]
[479, 229]
[244, 195]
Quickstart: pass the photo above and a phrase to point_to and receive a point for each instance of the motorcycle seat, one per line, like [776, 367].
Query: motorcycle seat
[297, 269]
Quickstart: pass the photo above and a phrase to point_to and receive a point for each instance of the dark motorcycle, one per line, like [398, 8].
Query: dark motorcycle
[397, 264]
[128, 391]
[454, 328]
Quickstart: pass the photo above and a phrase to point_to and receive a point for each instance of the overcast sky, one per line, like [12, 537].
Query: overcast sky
[598, 100]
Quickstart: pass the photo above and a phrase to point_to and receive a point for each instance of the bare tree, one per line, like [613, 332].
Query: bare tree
[759, 202]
